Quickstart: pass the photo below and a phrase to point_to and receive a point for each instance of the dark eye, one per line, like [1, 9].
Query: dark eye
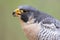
[25, 11]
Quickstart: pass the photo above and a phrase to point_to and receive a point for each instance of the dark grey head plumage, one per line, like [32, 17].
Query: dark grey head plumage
[29, 11]
[32, 11]
[26, 7]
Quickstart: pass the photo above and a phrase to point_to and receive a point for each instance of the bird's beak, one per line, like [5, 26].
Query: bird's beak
[17, 12]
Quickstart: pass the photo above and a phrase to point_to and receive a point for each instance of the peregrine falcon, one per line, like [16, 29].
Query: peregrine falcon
[37, 25]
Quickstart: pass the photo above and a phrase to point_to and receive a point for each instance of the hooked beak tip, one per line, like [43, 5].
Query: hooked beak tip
[14, 14]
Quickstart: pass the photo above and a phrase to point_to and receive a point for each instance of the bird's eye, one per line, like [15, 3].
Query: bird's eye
[25, 11]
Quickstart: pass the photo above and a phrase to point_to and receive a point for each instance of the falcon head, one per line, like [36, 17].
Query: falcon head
[25, 13]
[29, 13]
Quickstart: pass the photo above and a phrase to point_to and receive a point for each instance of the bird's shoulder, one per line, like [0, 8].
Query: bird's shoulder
[50, 22]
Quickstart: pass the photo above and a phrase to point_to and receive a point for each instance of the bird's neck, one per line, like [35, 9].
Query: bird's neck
[30, 29]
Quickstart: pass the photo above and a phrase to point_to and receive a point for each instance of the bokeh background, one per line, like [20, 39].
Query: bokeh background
[10, 28]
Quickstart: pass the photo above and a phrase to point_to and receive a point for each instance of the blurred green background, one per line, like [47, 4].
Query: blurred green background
[10, 28]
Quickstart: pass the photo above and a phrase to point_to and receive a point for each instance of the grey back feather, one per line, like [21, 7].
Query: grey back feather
[49, 33]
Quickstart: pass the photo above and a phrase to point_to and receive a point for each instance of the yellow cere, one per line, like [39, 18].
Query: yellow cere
[18, 11]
